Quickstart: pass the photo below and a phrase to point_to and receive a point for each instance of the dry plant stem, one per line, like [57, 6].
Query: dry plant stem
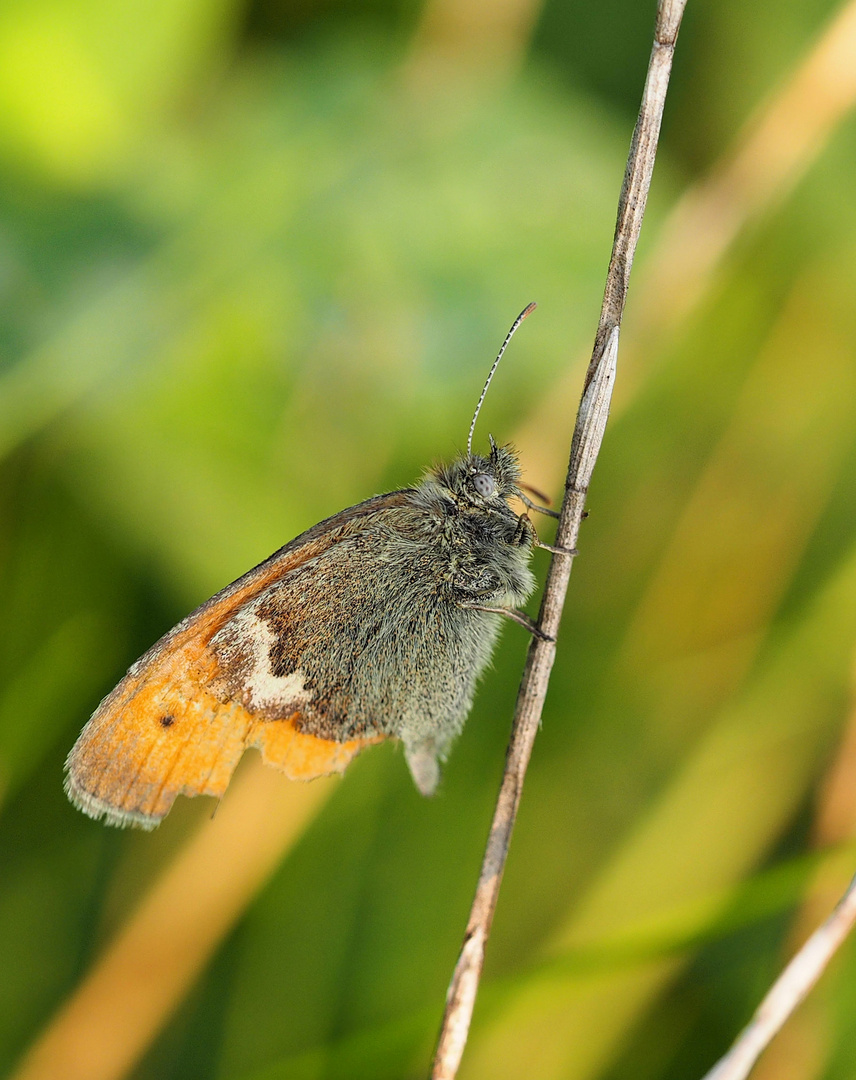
[588, 435]
[788, 991]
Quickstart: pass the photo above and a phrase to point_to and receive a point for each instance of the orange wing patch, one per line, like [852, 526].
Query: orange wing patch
[129, 767]
[162, 732]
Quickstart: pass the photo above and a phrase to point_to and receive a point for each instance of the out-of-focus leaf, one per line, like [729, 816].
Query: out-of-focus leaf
[36, 703]
[78, 87]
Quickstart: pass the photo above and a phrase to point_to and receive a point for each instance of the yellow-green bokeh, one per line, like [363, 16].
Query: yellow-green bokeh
[253, 270]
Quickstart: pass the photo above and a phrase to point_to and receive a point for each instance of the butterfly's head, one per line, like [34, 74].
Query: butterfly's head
[482, 481]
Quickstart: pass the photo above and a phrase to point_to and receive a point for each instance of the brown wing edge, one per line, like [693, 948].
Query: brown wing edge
[106, 780]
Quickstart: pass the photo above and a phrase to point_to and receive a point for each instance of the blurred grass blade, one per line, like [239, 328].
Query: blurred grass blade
[34, 705]
[721, 812]
[378, 1050]
[744, 528]
[120, 1006]
[776, 148]
[802, 1049]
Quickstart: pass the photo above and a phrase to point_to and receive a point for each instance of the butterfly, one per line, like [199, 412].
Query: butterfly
[376, 623]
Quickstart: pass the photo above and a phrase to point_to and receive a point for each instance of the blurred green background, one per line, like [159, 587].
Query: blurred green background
[255, 260]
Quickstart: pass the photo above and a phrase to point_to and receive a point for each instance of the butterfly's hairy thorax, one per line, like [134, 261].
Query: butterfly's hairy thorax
[389, 640]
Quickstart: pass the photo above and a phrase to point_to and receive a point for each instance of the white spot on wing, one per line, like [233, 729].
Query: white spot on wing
[264, 689]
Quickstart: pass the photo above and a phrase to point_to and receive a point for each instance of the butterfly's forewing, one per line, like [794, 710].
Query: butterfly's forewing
[165, 731]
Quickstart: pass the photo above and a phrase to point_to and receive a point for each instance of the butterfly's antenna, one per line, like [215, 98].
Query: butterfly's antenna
[526, 311]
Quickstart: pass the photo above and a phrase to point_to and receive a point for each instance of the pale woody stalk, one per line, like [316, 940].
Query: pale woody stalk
[788, 991]
[588, 434]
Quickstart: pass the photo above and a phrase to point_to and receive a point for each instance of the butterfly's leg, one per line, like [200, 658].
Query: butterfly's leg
[515, 615]
[555, 550]
[525, 529]
[534, 506]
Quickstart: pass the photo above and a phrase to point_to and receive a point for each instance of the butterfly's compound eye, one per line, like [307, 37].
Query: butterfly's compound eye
[484, 484]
